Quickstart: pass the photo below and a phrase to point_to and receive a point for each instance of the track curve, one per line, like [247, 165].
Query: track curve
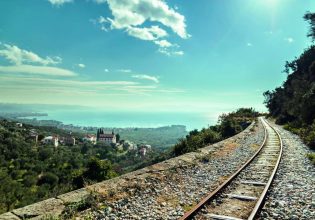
[243, 194]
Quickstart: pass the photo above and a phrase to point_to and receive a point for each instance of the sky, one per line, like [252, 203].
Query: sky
[148, 55]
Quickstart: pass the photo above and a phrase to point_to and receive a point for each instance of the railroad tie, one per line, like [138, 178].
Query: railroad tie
[267, 160]
[270, 155]
[254, 183]
[241, 197]
[262, 172]
[264, 165]
[272, 148]
[222, 217]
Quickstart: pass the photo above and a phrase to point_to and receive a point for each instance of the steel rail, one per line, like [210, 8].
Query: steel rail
[263, 195]
[191, 213]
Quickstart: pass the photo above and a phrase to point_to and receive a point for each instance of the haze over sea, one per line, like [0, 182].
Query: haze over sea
[130, 119]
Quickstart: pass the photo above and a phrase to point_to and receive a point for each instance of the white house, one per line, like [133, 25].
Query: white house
[143, 151]
[90, 138]
[19, 125]
[33, 135]
[51, 140]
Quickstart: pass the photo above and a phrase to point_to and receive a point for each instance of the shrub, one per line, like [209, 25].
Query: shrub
[48, 178]
[311, 156]
[228, 125]
[309, 138]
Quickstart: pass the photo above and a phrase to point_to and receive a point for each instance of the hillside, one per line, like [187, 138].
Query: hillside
[31, 171]
[160, 137]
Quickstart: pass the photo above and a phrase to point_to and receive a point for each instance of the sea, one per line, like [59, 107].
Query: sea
[130, 119]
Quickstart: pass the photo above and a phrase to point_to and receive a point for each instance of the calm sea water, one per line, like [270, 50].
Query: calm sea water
[130, 119]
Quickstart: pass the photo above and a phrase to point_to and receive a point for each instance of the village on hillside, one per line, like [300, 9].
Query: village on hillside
[101, 137]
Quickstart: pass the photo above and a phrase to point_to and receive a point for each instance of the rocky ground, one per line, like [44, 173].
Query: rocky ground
[168, 194]
[293, 191]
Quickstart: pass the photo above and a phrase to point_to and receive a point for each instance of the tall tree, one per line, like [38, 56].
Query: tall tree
[310, 17]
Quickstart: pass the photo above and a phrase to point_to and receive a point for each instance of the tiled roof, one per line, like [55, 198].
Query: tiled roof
[106, 135]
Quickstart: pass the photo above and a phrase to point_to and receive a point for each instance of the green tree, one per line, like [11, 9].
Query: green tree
[117, 138]
[48, 178]
[310, 17]
[293, 103]
[10, 190]
[99, 170]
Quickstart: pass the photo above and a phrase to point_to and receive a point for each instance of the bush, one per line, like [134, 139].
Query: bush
[211, 136]
[180, 148]
[294, 130]
[309, 138]
[228, 125]
[48, 178]
[311, 156]
[45, 153]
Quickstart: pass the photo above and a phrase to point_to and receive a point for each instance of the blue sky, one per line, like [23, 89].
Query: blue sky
[148, 55]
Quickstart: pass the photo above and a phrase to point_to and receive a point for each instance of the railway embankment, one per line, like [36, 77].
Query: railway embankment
[162, 191]
[168, 192]
[292, 195]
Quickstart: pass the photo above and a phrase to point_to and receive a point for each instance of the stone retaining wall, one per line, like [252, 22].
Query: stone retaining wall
[55, 206]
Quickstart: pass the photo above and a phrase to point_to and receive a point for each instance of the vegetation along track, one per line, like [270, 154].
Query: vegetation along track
[242, 195]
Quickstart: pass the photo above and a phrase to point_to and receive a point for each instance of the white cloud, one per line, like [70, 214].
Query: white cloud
[146, 77]
[140, 87]
[124, 70]
[106, 70]
[170, 52]
[152, 33]
[21, 89]
[133, 15]
[102, 20]
[42, 70]
[59, 2]
[129, 13]
[19, 56]
[81, 65]
[103, 28]
[61, 82]
[289, 40]
[178, 53]
[163, 43]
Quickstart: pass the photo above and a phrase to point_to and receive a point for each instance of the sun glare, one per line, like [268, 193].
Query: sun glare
[271, 3]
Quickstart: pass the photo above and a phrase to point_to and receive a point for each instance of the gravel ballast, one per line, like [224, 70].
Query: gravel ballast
[169, 194]
[292, 195]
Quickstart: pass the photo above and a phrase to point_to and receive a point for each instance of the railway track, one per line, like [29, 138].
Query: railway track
[242, 195]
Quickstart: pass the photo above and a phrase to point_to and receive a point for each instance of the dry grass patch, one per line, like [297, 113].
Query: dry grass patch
[171, 201]
[225, 150]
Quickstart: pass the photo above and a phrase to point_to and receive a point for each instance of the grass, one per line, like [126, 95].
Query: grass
[72, 209]
[187, 207]
[206, 158]
[311, 156]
